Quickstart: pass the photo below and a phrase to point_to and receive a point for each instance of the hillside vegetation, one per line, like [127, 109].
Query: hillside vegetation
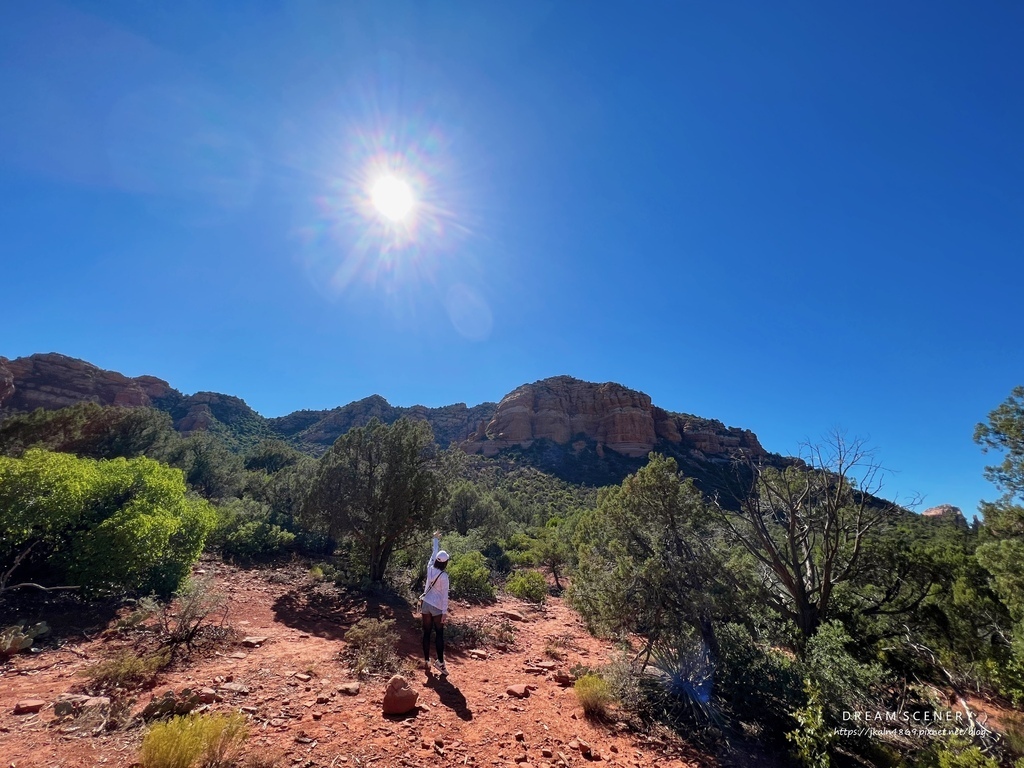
[769, 609]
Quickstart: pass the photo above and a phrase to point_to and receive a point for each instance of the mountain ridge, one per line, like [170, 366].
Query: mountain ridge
[577, 429]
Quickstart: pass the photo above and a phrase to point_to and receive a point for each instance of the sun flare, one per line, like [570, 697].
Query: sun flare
[392, 198]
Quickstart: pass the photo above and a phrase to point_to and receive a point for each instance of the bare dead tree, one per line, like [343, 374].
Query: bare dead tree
[807, 525]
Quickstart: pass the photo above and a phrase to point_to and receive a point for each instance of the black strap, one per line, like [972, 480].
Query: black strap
[431, 585]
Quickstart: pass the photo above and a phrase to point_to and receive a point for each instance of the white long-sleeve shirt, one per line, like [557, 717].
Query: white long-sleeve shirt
[437, 582]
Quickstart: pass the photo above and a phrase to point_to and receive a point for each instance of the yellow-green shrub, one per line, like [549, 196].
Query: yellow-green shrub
[127, 670]
[594, 695]
[470, 577]
[194, 741]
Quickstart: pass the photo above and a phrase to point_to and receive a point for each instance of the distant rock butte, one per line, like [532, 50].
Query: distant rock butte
[946, 512]
[54, 381]
[563, 409]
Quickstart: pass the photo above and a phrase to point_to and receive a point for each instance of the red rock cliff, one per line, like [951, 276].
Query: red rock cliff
[563, 409]
[55, 381]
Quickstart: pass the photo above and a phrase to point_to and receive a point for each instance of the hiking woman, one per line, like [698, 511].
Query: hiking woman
[435, 604]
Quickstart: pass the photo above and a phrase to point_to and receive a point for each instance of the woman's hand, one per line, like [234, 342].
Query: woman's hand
[444, 618]
[437, 534]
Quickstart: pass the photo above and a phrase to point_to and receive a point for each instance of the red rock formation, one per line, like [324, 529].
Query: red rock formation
[946, 512]
[55, 381]
[562, 408]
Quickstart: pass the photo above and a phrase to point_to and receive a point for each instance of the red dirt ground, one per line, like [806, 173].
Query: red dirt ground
[469, 714]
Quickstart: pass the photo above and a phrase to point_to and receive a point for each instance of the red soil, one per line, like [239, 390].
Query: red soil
[472, 719]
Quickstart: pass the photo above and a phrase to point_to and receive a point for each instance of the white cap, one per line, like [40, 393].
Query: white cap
[442, 557]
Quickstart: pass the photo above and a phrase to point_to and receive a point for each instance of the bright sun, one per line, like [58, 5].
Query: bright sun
[392, 198]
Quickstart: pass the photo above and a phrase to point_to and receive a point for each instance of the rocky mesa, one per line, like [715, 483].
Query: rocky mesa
[565, 410]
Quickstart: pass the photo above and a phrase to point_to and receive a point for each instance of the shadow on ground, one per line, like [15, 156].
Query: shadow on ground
[450, 696]
[328, 611]
[69, 617]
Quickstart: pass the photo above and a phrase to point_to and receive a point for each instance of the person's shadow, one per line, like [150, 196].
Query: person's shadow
[450, 696]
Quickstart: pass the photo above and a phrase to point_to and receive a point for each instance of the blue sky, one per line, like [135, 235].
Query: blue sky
[787, 217]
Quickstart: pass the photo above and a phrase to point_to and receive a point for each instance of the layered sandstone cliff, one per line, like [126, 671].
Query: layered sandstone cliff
[54, 381]
[565, 410]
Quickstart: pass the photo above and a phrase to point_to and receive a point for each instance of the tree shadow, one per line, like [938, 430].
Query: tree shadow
[450, 696]
[328, 612]
[69, 616]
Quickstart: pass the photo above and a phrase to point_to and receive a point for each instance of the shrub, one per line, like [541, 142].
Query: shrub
[244, 532]
[496, 558]
[528, 585]
[104, 526]
[372, 643]
[813, 736]
[255, 540]
[127, 670]
[470, 578]
[756, 683]
[955, 752]
[191, 741]
[464, 634]
[842, 682]
[145, 609]
[555, 648]
[195, 603]
[594, 695]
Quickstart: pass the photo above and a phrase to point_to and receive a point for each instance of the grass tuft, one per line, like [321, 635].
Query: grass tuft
[127, 670]
[594, 695]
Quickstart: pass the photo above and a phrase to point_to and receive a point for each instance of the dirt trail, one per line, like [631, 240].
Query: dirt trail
[466, 719]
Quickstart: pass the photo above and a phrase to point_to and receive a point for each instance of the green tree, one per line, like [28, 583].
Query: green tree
[104, 526]
[1002, 534]
[552, 550]
[210, 468]
[468, 508]
[648, 560]
[807, 526]
[377, 484]
[1004, 432]
[1001, 552]
[90, 430]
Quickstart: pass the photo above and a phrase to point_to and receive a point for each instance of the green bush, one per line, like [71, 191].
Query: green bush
[843, 682]
[955, 752]
[194, 741]
[594, 695]
[244, 532]
[813, 736]
[372, 644]
[528, 585]
[756, 683]
[470, 578]
[104, 526]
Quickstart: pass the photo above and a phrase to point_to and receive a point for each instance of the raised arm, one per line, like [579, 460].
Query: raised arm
[434, 549]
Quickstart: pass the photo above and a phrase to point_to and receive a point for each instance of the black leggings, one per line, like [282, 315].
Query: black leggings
[433, 622]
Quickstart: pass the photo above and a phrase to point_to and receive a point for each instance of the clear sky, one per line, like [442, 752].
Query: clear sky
[789, 217]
